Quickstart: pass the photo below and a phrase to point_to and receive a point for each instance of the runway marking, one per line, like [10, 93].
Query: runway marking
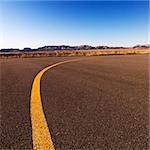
[40, 132]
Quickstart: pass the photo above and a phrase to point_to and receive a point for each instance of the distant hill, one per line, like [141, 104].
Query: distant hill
[9, 50]
[67, 47]
[142, 46]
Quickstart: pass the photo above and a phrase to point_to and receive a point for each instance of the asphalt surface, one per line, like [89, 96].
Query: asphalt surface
[97, 103]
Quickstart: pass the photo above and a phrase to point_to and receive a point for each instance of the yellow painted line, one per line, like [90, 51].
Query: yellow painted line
[40, 132]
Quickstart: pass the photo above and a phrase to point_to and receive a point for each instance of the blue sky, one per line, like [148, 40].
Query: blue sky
[36, 23]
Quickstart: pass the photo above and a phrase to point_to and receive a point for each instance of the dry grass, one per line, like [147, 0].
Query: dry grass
[63, 53]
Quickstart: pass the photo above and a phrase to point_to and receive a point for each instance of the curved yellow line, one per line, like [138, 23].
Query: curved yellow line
[40, 133]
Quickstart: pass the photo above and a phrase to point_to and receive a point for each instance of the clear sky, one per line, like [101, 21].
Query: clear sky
[34, 24]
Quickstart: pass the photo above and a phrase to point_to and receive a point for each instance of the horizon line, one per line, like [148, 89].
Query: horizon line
[32, 47]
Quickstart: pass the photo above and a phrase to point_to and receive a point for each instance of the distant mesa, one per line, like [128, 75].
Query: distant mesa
[142, 46]
[27, 49]
[67, 47]
[9, 50]
[61, 47]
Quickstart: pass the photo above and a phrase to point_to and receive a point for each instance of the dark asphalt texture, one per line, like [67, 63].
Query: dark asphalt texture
[97, 103]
